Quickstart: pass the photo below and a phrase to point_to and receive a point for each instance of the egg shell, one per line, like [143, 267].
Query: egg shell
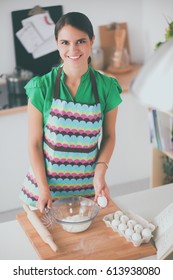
[102, 201]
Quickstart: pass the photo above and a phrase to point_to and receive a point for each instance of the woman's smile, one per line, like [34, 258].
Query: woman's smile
[74, 57]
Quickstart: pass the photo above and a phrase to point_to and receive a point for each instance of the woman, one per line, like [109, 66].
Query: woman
[68, 109]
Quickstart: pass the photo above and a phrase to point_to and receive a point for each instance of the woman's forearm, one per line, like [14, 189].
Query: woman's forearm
[106, 149]
[35, 123]
[38, 166]
[105, 153]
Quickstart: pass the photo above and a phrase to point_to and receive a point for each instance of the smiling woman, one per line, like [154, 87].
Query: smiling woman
[72, 114]
[74, 47]
[80, 23]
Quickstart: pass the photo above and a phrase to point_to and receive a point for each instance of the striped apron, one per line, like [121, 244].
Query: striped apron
[70, 146]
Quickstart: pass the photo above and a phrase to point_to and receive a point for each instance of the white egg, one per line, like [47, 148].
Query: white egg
[129, 232]
[131, 223]
[102, 201]
[118, 214]
[146, 232]
[138, 228]
[124, 219]
[122, 227]
[115, 223]
[136, 237]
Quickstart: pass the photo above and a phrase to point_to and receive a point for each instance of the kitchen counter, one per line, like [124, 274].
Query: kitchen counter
[13, 236]
[137, 202]
[13, 110]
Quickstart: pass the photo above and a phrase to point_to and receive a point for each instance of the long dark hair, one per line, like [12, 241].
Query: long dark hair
[77, 20]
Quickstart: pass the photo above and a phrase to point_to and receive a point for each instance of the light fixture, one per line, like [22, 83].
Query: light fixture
[153, 86]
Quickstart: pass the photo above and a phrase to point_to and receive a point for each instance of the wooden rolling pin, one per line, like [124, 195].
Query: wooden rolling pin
[40, 228]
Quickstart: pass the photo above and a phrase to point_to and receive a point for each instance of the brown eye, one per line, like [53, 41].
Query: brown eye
[64, 42]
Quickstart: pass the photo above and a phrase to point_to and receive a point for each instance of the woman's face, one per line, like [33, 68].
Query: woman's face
[74, 46]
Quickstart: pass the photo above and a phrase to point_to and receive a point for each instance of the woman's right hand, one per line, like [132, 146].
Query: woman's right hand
[44, 201]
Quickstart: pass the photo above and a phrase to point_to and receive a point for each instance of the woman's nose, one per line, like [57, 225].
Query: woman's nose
[73, 47]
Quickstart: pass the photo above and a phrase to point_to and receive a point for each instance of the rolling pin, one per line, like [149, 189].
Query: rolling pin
[40, 228]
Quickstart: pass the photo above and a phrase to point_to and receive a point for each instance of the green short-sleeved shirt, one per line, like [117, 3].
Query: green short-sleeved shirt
[40, 91]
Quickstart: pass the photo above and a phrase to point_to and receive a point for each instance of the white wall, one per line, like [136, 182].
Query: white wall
[154, 22]
[145, 18]
[131, 160]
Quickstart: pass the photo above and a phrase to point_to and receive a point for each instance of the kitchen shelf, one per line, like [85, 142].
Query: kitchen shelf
[14, 110]
[125, 79]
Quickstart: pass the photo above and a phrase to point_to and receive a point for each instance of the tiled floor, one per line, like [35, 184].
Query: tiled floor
[117, 190]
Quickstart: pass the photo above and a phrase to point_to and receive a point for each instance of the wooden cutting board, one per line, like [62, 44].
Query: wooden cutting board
[98, 242]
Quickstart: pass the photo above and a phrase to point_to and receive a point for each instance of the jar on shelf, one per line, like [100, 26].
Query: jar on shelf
[97, 58]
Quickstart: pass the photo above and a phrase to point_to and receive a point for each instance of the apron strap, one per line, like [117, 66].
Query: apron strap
[57, 85]
[94, 85]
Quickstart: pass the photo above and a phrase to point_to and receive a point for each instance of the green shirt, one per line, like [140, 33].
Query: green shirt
[40, 91]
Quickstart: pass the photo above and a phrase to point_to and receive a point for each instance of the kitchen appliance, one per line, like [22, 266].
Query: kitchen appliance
[15, 86]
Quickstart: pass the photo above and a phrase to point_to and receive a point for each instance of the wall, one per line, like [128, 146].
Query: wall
[156, 13]
[145, 20]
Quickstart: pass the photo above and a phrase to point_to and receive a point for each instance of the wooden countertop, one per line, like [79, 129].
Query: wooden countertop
[124, 79]
[98, 242]
[13, 110]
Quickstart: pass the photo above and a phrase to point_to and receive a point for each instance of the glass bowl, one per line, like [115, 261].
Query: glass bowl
[74, 214]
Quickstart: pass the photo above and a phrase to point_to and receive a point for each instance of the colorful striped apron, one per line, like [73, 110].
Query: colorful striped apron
[70, 146]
